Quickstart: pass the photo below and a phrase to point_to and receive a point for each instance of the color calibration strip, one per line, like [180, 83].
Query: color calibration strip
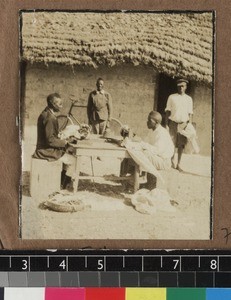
[114, 294]
[121, 268]
[115, 279]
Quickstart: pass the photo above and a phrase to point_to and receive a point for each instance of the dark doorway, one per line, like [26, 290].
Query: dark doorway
[167, 86]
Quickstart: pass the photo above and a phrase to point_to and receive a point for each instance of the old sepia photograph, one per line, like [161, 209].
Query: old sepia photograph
[116, 118]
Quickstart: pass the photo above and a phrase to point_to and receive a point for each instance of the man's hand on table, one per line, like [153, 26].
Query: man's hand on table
[71, 140]
[69, 145]
[128, 140]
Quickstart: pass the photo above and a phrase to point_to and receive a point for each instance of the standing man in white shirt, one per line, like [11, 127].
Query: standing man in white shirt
[179, 112]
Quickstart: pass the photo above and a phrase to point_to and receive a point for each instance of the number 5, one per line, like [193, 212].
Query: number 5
[100, 264]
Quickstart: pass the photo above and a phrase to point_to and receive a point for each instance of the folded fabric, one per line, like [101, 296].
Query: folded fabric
[70, 130]
[190, 133]
[149, 202]
[136, 152]
[79, 132]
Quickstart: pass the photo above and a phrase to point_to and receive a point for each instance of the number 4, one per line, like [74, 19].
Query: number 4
[63, 264]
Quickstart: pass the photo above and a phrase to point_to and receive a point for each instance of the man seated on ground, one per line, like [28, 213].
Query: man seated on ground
[157, 147]
[49, 145]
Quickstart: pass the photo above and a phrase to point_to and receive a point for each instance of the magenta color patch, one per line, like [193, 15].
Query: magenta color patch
[65, 294]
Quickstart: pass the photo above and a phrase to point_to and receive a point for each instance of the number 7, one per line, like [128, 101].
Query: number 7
[176, 261]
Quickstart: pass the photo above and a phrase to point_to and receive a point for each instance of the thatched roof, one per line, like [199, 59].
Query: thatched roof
[175, 44]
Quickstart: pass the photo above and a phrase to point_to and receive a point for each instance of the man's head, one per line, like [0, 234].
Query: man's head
[54, 102]
[99, 84]
[182, 86]
[154, 119]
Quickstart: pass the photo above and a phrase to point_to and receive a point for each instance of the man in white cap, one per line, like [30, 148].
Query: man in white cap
[179, 110]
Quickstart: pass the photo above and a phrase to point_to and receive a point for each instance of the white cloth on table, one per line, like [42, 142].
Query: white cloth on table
[137, 153]
[70, 130]
[155, 153]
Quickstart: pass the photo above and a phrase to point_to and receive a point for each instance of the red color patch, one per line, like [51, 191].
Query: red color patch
[105, 294]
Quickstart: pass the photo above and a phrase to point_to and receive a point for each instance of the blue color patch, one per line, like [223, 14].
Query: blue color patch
[218, 294]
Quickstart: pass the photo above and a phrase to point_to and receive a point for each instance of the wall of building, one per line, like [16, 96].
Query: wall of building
[132, 90]
[202, 102]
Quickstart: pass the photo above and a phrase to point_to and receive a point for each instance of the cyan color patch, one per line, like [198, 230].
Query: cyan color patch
[218, 294]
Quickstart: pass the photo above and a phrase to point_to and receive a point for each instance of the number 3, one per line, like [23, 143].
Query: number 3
[25, 266]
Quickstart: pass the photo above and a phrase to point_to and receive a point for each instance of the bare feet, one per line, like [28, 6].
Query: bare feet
[179, 168]
[172, 164]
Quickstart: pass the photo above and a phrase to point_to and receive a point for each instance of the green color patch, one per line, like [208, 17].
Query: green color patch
[186, 294]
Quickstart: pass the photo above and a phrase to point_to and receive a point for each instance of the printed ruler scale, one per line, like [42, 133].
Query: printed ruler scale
[128, 268]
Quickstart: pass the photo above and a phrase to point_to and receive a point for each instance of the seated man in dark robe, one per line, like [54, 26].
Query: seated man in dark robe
[49, 145]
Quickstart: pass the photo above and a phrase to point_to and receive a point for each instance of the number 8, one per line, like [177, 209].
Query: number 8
[213, 264]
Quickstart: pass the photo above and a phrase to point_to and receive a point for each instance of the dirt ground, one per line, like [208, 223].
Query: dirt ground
[112, 215]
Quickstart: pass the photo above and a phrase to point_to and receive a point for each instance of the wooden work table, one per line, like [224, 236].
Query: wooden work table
[97, 146]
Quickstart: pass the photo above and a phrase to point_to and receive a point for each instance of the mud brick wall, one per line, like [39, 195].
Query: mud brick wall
[132, 90]
[202, 103]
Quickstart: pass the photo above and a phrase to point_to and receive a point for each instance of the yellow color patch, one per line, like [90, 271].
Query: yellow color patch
[145, 294]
